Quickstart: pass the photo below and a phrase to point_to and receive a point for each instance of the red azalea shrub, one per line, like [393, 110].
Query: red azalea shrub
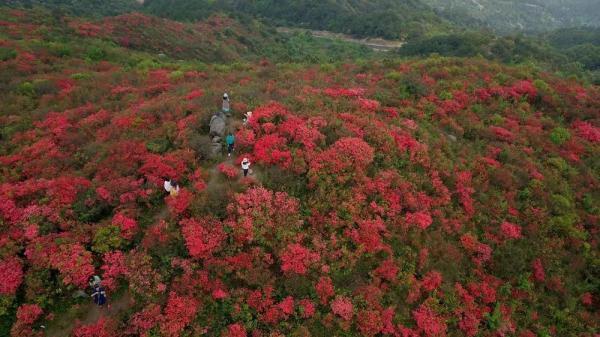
[587, 131]
[465, 190]
[307, 308]
[429, 323]
[510, 230]
[297, 259]
[178, 313]
[369, 322]
[179, 204]
[194, 94]
[74, 263]
[114, 267]
[324, 289]
[27, 314]
[127, 225]
[368, 235]
[342, 306]
[346, 157]
[502, 134]
[431, 281]
[260, 212]
[272, 150]
[235, 330]
[387, 270]
[228, 170]
[419, 219]
[11, 270]
[202, 236]
[142, 322]
[102, 328]
[538, 270]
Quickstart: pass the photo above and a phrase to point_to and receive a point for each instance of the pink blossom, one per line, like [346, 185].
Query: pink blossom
[342, 306]
[510, 230]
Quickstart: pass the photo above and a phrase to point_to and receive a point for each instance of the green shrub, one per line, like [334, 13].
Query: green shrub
[45, 87]
[7, 54]
[59, 49]
[26, 88]
[560, 204]
[560, 135]
[106, 239]
[445, 95]
[412, 86]
[176, 75]
[96, 54]
[158, 145]
[81, 76]
[394, 75]
[90, 214]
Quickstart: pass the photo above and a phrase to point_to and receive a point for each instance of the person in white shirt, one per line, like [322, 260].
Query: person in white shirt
[247, 116]
[167, 185]
[245, 166]
[171, 187]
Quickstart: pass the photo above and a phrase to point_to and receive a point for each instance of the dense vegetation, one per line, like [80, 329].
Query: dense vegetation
[434, 197]
[514, 15]
[384, 18]
[90, 8]
[569, 51]
[216, 39]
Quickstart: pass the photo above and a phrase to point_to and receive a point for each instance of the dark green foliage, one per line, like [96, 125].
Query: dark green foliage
[96, 54]
[468, 44]
[89, 214]
[158, 145]
[91, 8]
[383, 18]
[560, 135]
[7, 54]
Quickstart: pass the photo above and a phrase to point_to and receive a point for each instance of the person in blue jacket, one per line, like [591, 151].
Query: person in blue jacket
[99, 295]
[230, 139]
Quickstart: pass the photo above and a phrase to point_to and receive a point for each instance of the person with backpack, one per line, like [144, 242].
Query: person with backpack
[174, 189]
[245, 166]
[230, 139]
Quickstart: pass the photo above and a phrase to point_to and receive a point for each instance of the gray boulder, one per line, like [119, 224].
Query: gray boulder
[216, 149]
[218, 123]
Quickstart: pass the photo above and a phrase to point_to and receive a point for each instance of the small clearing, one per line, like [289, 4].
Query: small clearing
[377, 44]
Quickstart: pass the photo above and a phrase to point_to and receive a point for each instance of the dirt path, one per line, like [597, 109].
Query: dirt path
[377, 44]
[89, 314]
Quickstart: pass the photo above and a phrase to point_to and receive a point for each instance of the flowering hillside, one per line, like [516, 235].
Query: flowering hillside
[441, 197]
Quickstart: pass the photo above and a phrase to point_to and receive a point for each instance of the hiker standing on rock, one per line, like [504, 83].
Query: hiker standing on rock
[230, 139]
[245, 166]
[225, 103]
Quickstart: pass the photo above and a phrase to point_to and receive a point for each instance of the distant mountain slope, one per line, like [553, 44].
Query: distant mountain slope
[529, 15]
[384, 18]
[218, 38]
[93, 8]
